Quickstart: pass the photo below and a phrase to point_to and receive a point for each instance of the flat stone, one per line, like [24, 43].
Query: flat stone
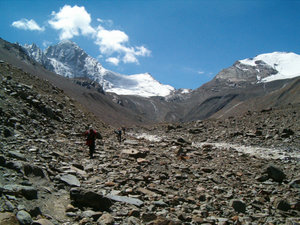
[132, 201]
[42, 222]
[70, 180]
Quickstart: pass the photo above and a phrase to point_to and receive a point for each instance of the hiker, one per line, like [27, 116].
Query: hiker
[124, 130]
[91, 136]
[119, 135]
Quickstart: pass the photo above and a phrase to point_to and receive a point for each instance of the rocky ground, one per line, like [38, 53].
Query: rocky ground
[205, 172]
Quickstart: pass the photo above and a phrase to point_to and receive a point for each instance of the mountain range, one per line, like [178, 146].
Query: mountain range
[253, 84]
[69, 60]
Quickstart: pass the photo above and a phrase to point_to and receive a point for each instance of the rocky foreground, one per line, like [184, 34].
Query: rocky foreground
[196, 173]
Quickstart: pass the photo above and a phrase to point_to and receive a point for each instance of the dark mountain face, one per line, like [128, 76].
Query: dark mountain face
[69, 54]
[241, 73]
[231, 92]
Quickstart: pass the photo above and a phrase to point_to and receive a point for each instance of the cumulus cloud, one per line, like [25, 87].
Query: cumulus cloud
[72, 21]
[116, 41]
[111, 41]
[113, 60]
[26, 24]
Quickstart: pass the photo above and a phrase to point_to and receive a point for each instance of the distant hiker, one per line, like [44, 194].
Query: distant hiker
[119, 135]
[124, 130]
[91, 136]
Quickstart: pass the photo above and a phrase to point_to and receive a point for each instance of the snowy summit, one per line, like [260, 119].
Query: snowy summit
[139, 84]
[287, 65]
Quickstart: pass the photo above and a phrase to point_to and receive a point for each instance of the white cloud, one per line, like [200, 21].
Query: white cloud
[113, 60]
[130, 58]
[72, 21]
[200, 72]
[116, 41]
[106, 22]
[142, 51]
[111, 41]
[26, 24]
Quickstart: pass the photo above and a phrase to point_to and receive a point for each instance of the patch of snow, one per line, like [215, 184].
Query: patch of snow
[149, 137]
[185, 91]
[260, 152]
[258, 78]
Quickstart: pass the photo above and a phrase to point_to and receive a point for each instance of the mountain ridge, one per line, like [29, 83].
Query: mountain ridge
[69, 60]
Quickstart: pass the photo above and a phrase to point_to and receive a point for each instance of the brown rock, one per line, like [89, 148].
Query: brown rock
[8, 219]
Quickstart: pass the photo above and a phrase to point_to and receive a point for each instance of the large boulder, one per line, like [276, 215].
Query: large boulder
[238, 205]
[275, 173]
[24, 217]
[84, 198]
[34, 170]
[27, 191]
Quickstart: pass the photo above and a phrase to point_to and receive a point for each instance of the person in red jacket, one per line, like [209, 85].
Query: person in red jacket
[91, 136]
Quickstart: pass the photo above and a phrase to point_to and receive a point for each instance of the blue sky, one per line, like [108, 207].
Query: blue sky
[183, 43]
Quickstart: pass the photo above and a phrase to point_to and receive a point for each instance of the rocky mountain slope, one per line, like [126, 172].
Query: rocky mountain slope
[239, 170]
[106, 107]
[249, 84]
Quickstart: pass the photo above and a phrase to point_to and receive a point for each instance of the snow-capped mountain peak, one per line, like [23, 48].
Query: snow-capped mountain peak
[286, 64]
[141, 84]
[69, 60]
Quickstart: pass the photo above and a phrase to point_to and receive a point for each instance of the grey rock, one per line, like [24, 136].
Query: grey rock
[15, 165]
[91, 214]
[24, 217]
[70, 180]
[160, 203]
[133, 201]
[148, 217]
[32, 169]
[275, 173]
[106, 219]
[295, 183]
[133, 221]
[28, 192]
[9, 206]
[282, 204]
[17, 155]
[42, 222]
